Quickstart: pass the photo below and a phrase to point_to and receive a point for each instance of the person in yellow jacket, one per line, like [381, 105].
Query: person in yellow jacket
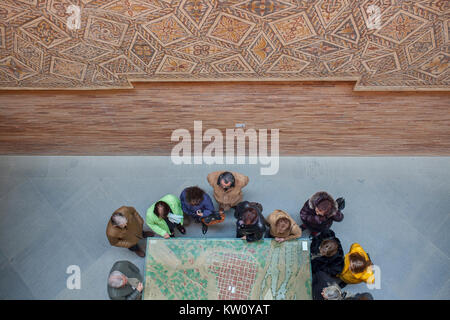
[357, 266]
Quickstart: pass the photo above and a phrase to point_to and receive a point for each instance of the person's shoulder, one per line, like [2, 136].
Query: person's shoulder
[213, 176]
[240, 178]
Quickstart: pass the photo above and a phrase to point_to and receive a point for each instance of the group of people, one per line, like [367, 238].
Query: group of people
[331, 270]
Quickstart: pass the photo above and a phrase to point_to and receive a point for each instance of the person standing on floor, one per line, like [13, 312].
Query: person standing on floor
[251, 224]
[125, 229]
[357, 267]
[227, 188]
[125, 281]
[283, 227]
[196, 203]
[327, 254]
[164, 215]
[319, 212]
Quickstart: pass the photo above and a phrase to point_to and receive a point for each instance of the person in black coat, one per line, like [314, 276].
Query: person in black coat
[319, 212]
[323, 282]
[251, 224]
[327, 254]
[326, 287]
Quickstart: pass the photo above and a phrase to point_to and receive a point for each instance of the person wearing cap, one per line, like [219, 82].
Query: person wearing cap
[319, 212]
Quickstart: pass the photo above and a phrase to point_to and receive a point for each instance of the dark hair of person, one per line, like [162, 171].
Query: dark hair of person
[249, 216]
[114, 216]
[324, 205]
[358, 263]
[226, 177]
[364, 296]
[165, 206]
[328, 247]
[194, 194]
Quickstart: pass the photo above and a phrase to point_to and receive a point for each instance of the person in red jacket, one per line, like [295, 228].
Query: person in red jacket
[319, 212]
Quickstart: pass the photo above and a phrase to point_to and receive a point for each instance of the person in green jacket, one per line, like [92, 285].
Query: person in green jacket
[164, 215]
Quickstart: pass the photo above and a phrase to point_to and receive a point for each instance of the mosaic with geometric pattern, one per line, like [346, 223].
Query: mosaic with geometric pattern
[121, 41]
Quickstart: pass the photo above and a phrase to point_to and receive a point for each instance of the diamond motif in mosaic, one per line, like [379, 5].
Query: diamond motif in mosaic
[67, 68]
[233, 64]
[105, 31]
[85, 51]
[129, 8]
[202, 49]
[320, 48]
[383, 64]
[230, 29]
[288, 64]
[8, 12]
[294, 28]
[329, 10]
[437, 6]
[45, 32]
[196, 11]
[12, 67]
[175, 65]
[437, 65]
[400, 27]
[28, 52]
[59, 8]
[420, 47]
[142, 49]
[167, 30]
[101, 75]
[347, 30]
[264, 8]
[121, 65]
[262, 48]
[373, 49]
[337, 64]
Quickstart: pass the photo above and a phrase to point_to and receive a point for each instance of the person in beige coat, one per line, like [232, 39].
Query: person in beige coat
[227, 188]
[125, 229]
[283, 227]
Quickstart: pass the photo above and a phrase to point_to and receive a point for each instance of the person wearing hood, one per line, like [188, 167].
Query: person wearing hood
[357, 267]
[327, 254]
[283, 227]
[251, 224]
[319, 212]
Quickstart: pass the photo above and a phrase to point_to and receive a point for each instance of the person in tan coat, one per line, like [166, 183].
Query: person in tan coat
[227, 188]
[125, 229]
[283, 227]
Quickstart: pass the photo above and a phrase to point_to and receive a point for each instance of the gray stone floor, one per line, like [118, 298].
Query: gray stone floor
[54, 210]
